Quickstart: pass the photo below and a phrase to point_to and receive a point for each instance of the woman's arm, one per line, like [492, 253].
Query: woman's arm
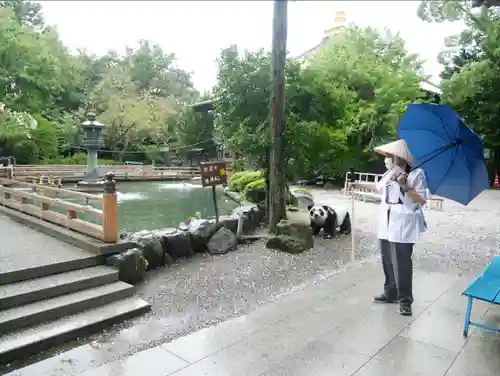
[413, 194]
[415, 189]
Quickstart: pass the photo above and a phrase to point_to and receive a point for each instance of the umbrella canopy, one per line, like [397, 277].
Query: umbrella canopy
[450, 153]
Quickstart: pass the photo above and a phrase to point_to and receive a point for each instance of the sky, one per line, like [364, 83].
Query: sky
[196, 31]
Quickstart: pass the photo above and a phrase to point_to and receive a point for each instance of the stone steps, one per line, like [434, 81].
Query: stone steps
[18, 344]
[51, 309]
[24, 274]
[16, 294]
[41, 312]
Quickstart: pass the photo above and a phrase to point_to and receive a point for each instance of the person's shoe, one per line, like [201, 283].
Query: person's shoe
[383, 299]
[405, 309]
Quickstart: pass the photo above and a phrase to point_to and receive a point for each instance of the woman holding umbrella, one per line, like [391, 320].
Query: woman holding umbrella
[401, 221]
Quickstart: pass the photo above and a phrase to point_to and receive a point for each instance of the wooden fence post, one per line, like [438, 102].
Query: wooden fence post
[110, 210]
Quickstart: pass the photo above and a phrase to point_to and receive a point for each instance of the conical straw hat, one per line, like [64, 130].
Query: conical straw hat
[397, 148]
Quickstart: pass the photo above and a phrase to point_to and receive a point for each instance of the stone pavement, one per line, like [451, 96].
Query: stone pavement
[24, 248]
[330, 328]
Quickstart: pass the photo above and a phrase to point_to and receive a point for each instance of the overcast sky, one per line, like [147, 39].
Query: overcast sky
[196, 31]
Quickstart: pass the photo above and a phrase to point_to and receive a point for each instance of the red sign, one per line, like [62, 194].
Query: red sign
[213, 173]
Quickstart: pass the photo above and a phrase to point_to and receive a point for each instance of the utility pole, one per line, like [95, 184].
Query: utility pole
[277, 189]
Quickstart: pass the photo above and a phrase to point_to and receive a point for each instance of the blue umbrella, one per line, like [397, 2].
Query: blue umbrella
[450, 153]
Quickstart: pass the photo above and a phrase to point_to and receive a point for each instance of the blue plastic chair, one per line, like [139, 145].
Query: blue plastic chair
[486, 288]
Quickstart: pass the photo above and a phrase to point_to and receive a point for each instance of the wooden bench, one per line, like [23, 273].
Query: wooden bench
[435, 202]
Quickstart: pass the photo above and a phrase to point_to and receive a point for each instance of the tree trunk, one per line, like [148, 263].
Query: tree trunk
[277, 188]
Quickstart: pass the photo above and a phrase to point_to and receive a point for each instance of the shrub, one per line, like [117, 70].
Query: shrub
[77, 159]
[255, 191]
[239, 180]
[45, 137]
[25, 152]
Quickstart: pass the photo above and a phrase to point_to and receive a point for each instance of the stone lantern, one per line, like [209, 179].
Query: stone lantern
[93, 140]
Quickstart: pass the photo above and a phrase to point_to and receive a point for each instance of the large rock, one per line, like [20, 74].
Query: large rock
[285, 243]
[292, 237]
[304, 198]
[131, 265]
[152, 249]
[176, 243]
[223, 241]
[200, 230]
[230, 222]
[252, 217]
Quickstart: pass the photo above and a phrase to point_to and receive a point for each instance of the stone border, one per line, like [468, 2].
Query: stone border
[160, 248]
[72, 237]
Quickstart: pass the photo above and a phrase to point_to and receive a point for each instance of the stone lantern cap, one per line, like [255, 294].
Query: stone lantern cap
[91, 121]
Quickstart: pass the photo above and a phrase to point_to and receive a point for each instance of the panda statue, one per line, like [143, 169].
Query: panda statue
[329, 219]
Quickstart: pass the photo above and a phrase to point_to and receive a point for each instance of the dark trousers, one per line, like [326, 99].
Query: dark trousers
[398, 270]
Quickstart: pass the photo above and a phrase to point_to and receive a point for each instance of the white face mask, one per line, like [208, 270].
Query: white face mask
[388, 163]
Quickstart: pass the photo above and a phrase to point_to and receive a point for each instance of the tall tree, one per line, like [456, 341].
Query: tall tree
[373, 77]
[132, 117]
[26, 12]
[35, 68]
[277, 184]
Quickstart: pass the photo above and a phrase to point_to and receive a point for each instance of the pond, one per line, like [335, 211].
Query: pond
[152, 205]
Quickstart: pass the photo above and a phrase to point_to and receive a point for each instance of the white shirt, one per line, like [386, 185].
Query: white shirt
[402, 223]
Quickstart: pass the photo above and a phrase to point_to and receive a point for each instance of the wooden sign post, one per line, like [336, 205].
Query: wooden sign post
[213, 174]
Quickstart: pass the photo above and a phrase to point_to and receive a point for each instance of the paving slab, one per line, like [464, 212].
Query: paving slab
[441, 324]
[319, 358]
[331, 328]
[24, 248]
[480, 355]
[152, 362]
[403, 356]
[314, 319]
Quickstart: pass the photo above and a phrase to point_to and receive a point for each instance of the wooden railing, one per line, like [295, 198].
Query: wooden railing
[52, 205]
[6, 172]
[75, 173]
[362, 177]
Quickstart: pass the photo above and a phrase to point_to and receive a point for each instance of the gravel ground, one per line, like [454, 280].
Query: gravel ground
[205, 290]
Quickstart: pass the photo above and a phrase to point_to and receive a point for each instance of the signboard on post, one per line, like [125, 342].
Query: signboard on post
[213, 174]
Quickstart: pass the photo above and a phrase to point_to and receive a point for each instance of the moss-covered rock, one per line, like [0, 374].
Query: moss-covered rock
[131, 265]
[292, 237]
[284, 243]
[255, 191]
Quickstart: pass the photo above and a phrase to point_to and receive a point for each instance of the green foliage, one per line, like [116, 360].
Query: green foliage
[25, 152]
[78, 159]
[25, 12]
[136, 94]
[348, 97]
[239, 180]
[471, 71]
[153, 154]
[255, 191]
[195, 130]
[45, 136]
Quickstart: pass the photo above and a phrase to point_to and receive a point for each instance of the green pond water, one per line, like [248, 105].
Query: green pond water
[152, 205]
